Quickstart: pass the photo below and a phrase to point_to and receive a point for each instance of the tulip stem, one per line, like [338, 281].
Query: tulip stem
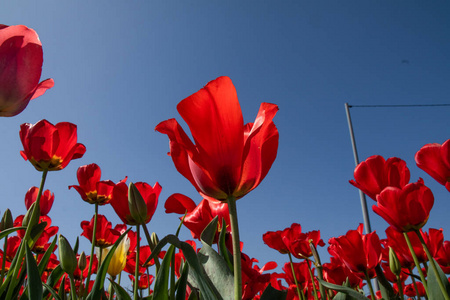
[433, 265]
[136, 270]
[294, 276]
[231, 200]
[416, 262]
[15, 268]
[415, 284]
[308, 263]
[369, 283]
[94, 232]
[152, 246]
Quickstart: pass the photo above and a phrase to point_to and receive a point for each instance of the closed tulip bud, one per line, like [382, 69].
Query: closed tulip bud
[82, 263]
[136, 204]
[7, 220]
[32, 216]
[394, 263]
[154, 240]
[67, 257]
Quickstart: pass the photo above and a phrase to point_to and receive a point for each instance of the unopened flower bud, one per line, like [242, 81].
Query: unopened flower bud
[154, 240]
[67, 257]
[136, 204]
[7, 220]
[394, 263]
[82, 262]
[32, 216]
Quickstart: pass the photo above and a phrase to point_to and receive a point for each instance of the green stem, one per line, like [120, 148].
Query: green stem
[94, 233]
[416, 262]
[136, 270]
[312, 279]
[148, 282]
[369, 283]
[111, 288]
[73, 290]
[21, 252]
[400, 287]
[414, 284]
[231, 200]
[150, 244]
[295, 276]
[5, 245]
[433, 265]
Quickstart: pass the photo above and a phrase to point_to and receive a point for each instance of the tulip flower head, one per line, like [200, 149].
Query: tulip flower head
[405, 209]
[361, 253]
[120, 201]
[91, 189]
[376, 173]
[228, 159]
[21, 59]
[119, 258]
[50, 147]
[435, 160]
[46, 201]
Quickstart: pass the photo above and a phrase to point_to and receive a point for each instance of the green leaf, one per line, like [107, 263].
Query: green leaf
[53, 278]
[350, 292]
[52, 291]
[217, 270]
[223, 250]
[121, 294]
[97, 289]
[76, 246]
[209, 233]
[34, 278]
[196, 271]
[270, 293]
[434, 290]
[9, 231]
[35, 233]
[46, 257]
[162, 278]
[182, 283]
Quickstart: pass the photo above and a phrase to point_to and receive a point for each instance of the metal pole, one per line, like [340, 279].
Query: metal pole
[362, 196]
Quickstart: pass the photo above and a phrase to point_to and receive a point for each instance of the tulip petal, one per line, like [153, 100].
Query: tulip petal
[214, 117]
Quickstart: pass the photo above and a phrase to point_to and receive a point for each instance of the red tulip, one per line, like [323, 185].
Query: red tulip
[443, 257]
[361, 253]
[228, 159]
[46, 201]
[375, 173]
[120, 200]
[91, 189]
[105, 235]
[435, 160]
[203, 214]
[21, 61]
[179, 204]
[50, 147]
[293, 240]
[405, 209]
[337, 273]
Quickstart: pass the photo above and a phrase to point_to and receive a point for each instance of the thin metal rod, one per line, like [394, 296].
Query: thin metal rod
[362, 196]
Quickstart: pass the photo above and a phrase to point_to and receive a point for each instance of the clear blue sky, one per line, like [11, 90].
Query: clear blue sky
[120, 67]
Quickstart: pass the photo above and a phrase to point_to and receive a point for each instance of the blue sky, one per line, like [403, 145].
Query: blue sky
[120, 67]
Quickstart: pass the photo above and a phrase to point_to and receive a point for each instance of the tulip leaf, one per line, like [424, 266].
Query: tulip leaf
[34, 278]
[46, 257]
[196, 271]
[162, 278]
[223, 250]
[217, 270]
[76, 246]
[387, 292]
[9, 231]
[270, 293]
[209, 233]
[182, 283]
[434, 290]
[97, 288]
[52, 291]
[121, 294]
[35, 233]
[53, 279]
[350, 292]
